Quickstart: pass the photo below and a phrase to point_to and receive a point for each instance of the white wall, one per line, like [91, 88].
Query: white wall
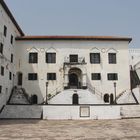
[65, 48]
[73, 112]
[8, 49]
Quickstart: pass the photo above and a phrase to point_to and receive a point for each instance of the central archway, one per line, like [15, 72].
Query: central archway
[75, 78]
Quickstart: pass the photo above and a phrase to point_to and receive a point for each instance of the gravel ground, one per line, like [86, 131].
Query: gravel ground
[126, 129]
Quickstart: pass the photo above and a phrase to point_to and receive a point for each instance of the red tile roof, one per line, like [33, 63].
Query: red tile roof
[11, 16]
[103, 38]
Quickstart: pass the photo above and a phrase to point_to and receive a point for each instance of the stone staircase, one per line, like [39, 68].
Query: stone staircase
[84, 96]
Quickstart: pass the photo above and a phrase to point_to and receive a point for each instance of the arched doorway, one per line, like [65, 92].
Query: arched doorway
[75, 78]
[75, 99]
[111, 99]
[106, 98]
[19, 82]
[34, 99]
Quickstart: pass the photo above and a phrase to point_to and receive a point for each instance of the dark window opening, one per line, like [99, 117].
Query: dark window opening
[2, 70]
[112, 58]
[33, 57]
[0, 89]
[5, 31]
[11, 58]
[10, 76]
[1, 48]
[75, 99]
[96, 76]
[95, 58]
[32, 76]
[106, 98]
[112, 76]
[50, 57]
[51, 76]
[11, 39]
[73, 58]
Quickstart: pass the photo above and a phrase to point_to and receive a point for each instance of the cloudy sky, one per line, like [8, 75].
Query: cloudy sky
[79, 17]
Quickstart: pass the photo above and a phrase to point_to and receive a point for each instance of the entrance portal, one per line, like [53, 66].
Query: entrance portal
[75, 78]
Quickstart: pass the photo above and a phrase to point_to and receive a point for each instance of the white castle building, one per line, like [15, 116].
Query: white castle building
[64, 71]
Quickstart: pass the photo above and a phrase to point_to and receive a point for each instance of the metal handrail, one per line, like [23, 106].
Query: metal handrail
[94, 90]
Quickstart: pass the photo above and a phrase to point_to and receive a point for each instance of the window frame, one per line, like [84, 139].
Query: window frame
[11, 39]
[95, 76]
[112, 58]
[73, 57]
[33, 57]
[95, 58]
[32, 76]
[113, 78]
[10, 75]
[5, 31]
[51, 76]
[52, 59]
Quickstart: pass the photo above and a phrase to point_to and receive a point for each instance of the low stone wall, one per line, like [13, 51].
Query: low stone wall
[130, 111]
[21, 112]
[81, 112]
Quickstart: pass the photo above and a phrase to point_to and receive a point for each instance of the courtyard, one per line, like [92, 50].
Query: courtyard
[126, 129]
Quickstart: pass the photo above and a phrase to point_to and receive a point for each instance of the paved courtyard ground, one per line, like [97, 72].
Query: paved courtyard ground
[128, 129]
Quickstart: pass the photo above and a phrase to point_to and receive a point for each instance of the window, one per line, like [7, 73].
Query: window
[112, 58]
[51, 76]
[73, 58]
[96, 76]
[2, 70]
[11, 39]
[112, 76]
[10, 76]
[50, 57]
[11, 58]
[0, 89]
[32, 76]
[1, 48]
[33, 57]
[5, 31]
[95, 58]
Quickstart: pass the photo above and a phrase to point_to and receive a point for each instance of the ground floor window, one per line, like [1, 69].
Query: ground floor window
[51, 76]
[112, 76]
[75, 99]
[32, 76]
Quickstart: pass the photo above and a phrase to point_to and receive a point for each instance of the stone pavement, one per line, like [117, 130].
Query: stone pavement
[128, 129]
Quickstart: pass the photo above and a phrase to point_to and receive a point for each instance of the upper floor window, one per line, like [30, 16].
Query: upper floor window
[50, 57]
[10, 75]
[51, 76]
[0, 89]
[96, 76]
[11, 39]
[2, 70]
[112, 76]
[1, 48]
[11, 58]
[32, 76]
[5, 31]
[73, 58]
[112, 58]
[95, 58]
[33, 57]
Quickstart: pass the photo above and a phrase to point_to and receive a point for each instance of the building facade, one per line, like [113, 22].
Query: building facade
[61, 69]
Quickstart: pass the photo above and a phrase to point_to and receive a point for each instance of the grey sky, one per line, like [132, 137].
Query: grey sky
[78, 17]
